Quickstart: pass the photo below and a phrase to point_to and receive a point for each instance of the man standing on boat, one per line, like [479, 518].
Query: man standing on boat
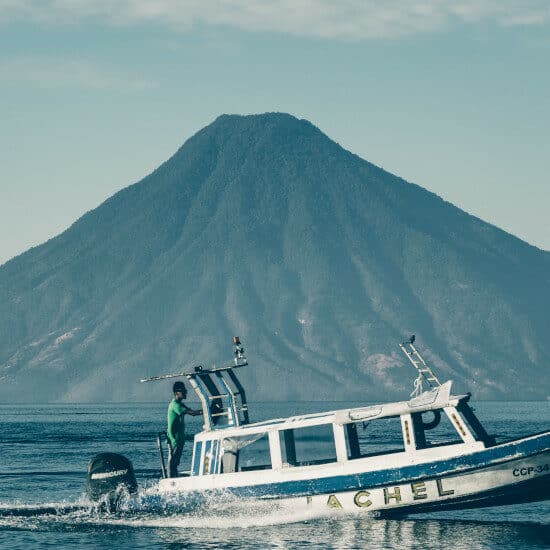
[176, 426]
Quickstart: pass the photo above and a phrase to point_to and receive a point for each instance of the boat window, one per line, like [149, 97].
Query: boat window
[434, 429]
[308, 446]
[375, 437]
[242, 454]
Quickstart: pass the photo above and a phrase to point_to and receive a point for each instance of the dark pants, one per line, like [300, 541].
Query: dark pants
[174, 457]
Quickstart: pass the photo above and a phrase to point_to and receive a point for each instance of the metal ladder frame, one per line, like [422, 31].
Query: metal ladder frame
[418, 362]
[212, 399]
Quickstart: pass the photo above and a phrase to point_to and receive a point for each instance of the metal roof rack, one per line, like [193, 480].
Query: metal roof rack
[222, 396]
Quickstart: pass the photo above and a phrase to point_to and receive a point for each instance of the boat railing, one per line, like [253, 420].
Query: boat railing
[161, 436]
[222, 396]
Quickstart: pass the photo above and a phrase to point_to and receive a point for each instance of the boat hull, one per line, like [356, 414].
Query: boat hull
[512, 482]
[514, 472]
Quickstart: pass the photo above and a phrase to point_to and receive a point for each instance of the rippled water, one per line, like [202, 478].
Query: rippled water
[44, 451]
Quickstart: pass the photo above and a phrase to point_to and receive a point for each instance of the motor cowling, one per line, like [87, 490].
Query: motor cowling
[110, 476]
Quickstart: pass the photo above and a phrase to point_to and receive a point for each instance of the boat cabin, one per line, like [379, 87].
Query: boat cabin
[434, 419]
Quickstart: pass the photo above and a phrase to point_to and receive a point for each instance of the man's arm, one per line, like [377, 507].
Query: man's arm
[192, 412]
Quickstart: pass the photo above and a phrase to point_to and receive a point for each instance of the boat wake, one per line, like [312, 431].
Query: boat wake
[151, 509]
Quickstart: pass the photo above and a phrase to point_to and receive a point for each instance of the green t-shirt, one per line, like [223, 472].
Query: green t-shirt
[176, 424]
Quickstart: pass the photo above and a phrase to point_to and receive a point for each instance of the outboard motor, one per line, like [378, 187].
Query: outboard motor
[110, 476]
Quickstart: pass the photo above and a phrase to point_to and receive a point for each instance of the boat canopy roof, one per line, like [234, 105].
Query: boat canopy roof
[437, 398]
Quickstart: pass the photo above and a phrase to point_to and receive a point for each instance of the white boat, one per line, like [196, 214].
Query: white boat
[427, 453]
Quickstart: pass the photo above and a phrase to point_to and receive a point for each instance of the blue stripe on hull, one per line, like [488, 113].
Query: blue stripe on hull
[495, 455]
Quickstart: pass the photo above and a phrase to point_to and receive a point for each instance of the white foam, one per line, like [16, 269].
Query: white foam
[149, 509]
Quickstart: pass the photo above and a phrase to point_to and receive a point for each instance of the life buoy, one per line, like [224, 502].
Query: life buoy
[434, 422]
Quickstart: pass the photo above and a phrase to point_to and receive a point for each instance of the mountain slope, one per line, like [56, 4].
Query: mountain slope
[262, 226]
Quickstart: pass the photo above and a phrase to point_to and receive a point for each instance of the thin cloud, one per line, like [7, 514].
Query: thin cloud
[54, 72]
[343, 19]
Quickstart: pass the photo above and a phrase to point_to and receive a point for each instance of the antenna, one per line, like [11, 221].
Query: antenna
[424, 371]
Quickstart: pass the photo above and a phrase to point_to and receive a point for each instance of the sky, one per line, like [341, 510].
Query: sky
[451, 95]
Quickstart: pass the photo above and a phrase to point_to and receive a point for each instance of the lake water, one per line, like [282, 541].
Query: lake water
[44, 451]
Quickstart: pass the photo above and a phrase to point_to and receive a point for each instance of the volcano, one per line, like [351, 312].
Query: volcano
[263, 227]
